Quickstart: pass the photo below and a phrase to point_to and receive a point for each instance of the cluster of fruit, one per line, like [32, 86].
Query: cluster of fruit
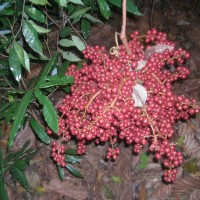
[121, 97]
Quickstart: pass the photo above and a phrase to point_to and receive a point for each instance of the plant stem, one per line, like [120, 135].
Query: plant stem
[123, 31]
[52, 19]
[21, 22]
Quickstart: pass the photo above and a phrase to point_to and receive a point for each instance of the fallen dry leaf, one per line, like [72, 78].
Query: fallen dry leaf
[66, 189]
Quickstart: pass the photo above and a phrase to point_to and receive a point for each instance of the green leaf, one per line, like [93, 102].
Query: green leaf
[12, 172]
[85, 27]
[143, 161]
[70, 56]
[47, 69]
[10, 112]
[79, 13]
[5, 105]
[76, 2]
[20, 164]
[73, 171]
[26, 64]
[19, 116]
[39, 130]
[38, 28]
[78, 43]
[71, 159]
[180, 141]
[71, 151]
[22, 56]
[66, 43]
[130, 7]
[35, 14]
[21, 178]
[104, 9]
[15, 65]
[48, 111]
[65, 32]
[31, 37]
[40, 2]
[92, 19]
[116, 179]
[58, 81]
[3, 191]
[63, 68]
[8, 158]
[191, 166]
[62, 3]
[7, 12]
[61, 173]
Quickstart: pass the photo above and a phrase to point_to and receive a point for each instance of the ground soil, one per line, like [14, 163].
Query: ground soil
[122, 179]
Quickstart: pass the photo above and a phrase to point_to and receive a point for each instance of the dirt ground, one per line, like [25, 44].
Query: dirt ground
[122, 179]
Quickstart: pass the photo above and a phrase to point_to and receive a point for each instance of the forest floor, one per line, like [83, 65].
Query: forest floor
[123, 179]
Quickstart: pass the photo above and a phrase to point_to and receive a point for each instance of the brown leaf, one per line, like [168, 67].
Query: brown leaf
[191, 141]
[185, 185]
[161, 192]
[66, 188]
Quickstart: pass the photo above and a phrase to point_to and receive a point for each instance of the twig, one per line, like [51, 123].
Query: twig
[20, 27]
[151, 16]
[123, 31]
[51, 19]
[47, 40]
[67, 19]
[23, 83]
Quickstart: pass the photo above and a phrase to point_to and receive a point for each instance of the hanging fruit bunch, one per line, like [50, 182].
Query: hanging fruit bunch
[127, 95]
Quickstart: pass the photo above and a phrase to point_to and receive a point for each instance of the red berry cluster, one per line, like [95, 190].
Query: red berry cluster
[58, 154]
[101, 107]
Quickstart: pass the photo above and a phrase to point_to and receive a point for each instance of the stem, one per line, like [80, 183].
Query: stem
[20, 27]
[47, 40]
[23, 83]
[151, 17]
[90, 101]
[51, 19]
[123, 31]
[67, 19]
[157, 79]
